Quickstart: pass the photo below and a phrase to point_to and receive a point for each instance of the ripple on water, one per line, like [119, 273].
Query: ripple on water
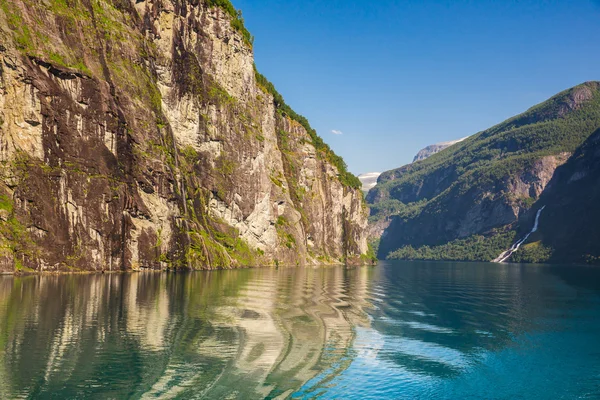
[399, 331]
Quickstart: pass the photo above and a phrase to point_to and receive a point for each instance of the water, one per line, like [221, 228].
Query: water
[400, 330]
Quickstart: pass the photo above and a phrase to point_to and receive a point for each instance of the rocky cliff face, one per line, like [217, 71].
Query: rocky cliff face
[471, 210]
[569, 225]
[134, 134]
[464, 203]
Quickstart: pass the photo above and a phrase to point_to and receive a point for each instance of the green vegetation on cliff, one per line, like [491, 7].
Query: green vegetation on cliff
[323, 149]
[474, 248]
[237, 21]
[155, 193]
[569, 226]
[534, 253]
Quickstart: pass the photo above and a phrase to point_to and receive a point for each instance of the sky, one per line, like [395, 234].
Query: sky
[379, 80]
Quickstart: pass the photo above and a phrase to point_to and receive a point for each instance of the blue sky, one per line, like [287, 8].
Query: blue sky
[395, 76]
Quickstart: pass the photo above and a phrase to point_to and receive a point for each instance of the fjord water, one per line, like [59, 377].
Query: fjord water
[400, 330]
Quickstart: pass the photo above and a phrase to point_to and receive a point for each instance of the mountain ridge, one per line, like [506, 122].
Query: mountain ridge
[477, 189]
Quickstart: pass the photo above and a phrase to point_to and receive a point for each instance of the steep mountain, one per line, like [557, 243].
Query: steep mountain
[139, 134]
[433, 149]
[569, 225]
[368, 180]
[463, 202]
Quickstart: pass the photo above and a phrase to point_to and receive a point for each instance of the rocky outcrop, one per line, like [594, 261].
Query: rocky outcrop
[569, 227]
[135, 135]
[433, 149]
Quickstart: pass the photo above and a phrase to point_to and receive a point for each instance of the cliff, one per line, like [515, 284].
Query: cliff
[464, 203]
[139, 134]
[569, 225]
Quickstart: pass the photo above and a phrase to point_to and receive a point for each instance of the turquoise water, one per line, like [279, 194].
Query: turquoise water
[400, 331]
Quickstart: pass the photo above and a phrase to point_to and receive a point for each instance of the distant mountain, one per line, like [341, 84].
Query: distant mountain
[434, 148]
[472, 200]
[368, 180]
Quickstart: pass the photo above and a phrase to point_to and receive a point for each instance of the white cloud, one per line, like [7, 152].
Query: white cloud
[336, 132]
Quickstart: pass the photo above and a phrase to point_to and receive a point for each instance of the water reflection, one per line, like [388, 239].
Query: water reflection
[457, 330]
[242, 334]
[405, 330]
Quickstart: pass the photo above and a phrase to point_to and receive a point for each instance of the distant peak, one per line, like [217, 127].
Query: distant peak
[435, 148]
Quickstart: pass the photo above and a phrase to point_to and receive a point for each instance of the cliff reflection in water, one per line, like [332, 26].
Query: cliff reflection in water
[400, 331]
[245, 334]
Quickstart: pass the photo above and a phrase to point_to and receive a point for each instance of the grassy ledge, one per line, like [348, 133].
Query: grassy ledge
[237, 21]
[346, 177]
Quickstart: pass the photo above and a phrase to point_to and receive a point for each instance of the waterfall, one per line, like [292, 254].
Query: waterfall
[504, 256]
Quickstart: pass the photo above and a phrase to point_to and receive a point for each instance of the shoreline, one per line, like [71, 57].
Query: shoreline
[175, 271]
